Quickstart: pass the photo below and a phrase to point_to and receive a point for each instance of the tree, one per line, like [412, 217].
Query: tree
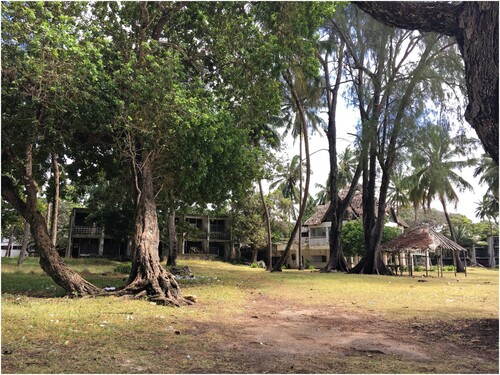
[488, 171]
[398, 191]
[338, 207]
[347, 161]
[248, 224]
[435, 166]
[47, 73]
[286, 182]
[390, 87]
[474, 25]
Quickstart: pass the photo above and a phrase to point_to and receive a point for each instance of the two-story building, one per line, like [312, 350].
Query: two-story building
[204, 234]
[198, 234]
[90, 240]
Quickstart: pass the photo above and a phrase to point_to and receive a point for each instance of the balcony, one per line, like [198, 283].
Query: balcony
[87, 231]
[220, 236]
[318, 241]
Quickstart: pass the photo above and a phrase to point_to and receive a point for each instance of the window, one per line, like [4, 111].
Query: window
[318, 232]
[195, 223]
[319, 258]
[216, 225]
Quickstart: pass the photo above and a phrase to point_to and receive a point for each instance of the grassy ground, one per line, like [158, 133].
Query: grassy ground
[250, 321]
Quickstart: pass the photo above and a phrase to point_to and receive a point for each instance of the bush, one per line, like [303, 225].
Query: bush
[123, 268]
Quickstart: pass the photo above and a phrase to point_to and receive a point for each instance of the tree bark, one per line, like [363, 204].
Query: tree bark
[474, 24]
[172, 239]
[268, 228]
[148, 277]
[55, 200]
[24, 244]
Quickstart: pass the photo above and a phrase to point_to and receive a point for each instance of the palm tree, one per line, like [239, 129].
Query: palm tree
[487, 209]
[398, 193]
[287, 182]
[347, 164]
[435, 163]
[323, 194]
[488, 170]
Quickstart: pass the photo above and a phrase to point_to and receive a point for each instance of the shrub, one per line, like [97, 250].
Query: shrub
[123, 268]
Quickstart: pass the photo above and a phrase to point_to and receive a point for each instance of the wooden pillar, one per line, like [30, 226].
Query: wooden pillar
[491, 251]
[100, 252]
[427, 263]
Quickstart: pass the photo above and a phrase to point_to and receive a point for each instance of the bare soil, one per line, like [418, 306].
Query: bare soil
[274, 338]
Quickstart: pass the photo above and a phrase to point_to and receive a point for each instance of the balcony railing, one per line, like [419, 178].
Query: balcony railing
[318, 241]
[87, 231]
[219, 236]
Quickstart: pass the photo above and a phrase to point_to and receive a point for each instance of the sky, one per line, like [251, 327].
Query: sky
[346, 120]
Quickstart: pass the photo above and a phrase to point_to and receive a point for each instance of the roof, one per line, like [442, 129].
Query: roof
[420, 239]
[354, 211]
[317, 217]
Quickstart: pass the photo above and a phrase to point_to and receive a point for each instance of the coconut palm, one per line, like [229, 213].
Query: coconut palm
[287, 181]
[398, 193]
[488, 170]
[435, 162]
[347, 163]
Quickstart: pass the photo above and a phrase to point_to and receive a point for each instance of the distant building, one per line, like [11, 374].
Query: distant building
[315, 234]
[198, 234]
[14, 251]
[203, 234]
[90, 240]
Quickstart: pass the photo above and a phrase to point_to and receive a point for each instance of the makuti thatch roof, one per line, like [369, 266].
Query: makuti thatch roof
[421, 239]
[354, 211]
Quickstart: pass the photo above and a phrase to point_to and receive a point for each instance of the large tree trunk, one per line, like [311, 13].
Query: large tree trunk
[72, 283]
[474, 24]
[268, 228]
[298, 224]
[172, 239]
[148, 277]
[55, 200]
[24, 244]
[373, 224]
[336, 261]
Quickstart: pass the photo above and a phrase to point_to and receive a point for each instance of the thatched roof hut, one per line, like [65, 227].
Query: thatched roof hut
[421, 239]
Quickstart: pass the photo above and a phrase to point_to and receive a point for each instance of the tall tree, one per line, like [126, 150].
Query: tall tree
[474, 25]
[47, 74]
[390, 86]
[338, 207]
[435, 165]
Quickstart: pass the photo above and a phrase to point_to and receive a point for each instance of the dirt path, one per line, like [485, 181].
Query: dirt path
[274, 338]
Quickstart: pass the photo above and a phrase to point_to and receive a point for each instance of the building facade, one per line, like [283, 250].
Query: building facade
[203, 234]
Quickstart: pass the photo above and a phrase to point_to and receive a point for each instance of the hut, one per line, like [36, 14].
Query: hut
[422, 240]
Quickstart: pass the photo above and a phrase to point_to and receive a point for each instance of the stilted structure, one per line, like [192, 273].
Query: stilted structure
[423, 241]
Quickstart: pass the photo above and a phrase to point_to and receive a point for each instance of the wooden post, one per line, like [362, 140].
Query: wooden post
[465, 263]
[427, 263]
